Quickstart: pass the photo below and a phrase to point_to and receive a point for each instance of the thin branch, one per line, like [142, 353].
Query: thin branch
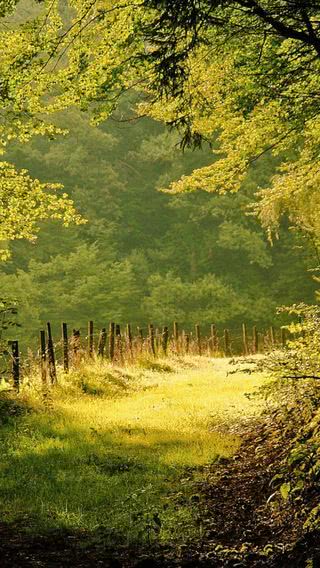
[46, 18]
[316, 377]
[283, 137]
[262, 47]
[128, 120]
[279, 26]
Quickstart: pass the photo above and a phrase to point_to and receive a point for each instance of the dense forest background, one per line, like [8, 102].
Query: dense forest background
[146, 255]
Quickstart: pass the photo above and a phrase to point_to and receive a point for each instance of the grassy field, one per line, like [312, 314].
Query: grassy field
[118, 451]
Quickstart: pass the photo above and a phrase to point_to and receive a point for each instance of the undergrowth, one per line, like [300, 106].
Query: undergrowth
[296, 370]
[278, 467]
[297, 427]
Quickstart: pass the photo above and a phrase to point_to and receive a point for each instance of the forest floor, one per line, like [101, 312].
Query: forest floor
[141, 467]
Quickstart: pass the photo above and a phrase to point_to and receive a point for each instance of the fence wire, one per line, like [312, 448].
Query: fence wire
[123, 344]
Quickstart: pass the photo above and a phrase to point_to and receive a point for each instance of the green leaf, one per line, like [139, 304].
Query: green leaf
[285, 490]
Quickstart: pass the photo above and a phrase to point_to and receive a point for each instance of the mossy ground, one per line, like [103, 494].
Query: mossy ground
[119, 450]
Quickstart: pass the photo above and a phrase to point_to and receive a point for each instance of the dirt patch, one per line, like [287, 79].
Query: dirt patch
[245, 521]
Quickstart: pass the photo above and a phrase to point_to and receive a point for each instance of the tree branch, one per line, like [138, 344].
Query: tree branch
[301, 377]
[283, 29]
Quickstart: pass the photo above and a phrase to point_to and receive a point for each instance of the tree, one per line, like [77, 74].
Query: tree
[249, 70]
[245, 71]
[24, 202]
[146, 254]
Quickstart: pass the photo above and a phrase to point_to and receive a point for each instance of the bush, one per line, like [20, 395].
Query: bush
[300, 358]
[296, 369]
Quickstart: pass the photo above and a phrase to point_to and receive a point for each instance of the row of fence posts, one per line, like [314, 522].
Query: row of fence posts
[111, 345]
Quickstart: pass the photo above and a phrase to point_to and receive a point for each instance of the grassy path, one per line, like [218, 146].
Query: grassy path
[123, 464]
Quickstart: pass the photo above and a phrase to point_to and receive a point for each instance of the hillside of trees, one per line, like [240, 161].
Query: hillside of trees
[146, 255]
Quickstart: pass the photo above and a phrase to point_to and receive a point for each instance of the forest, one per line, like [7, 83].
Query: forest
[144, 255]
[159, 277]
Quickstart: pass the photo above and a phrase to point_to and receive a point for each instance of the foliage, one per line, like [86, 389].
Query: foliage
[298, 474]
[141, 242]
[171, 299]
[300, 360]
[248, 70]
[144, 254]
[198, 73]
[8, 311]
[8, 320]
[24, 202]
[295, 425]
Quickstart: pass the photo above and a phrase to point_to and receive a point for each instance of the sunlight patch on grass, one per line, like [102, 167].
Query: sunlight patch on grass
[116, 460]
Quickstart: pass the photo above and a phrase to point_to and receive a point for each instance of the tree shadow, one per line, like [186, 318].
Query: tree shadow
[105, 488]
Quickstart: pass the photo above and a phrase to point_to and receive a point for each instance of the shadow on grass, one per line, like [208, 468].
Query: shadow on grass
[118, 484]
[103, 383]
[11, 408]
[67, 549]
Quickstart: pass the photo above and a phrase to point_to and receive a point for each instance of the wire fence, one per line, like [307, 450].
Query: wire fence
[121, 345]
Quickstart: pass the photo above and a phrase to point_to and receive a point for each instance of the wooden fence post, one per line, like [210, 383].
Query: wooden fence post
[119, 342]
[185, 341]
[151, 339]
[198, 338]
[51, 357]
[157, 339]
[65, 347]
[165, 338]
[102, 342]
[75, 341]
[176, 336]
[15, 364]
[111, 341]
[272, 336]
[245, 339]
[43, 357]
[140, 336]
[255, 343]
[226, 336]
[129, 339]
[213, 339]
[90, 338]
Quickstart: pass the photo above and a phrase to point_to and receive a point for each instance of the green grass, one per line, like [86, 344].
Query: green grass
[118, 451]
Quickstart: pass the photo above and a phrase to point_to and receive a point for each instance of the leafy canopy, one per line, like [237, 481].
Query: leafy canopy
[249, 71]
[245, 71]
